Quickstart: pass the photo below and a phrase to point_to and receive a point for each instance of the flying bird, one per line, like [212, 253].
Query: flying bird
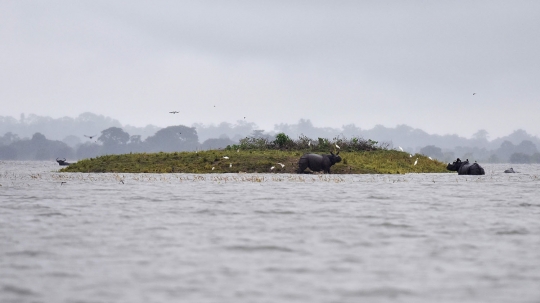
[415, 162]
[473, 94]
[174, 112]
[282, 165]
[90, 136]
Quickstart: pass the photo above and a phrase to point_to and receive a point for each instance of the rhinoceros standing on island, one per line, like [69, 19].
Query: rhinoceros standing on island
[318, 162]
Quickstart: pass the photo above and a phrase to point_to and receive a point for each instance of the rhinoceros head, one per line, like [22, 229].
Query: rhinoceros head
[334, 158]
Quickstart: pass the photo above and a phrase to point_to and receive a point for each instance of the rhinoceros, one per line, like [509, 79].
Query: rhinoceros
[466, 168]
[62, 162]
[318, 162]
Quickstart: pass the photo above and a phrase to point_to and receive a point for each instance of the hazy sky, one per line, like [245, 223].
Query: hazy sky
[334, 62]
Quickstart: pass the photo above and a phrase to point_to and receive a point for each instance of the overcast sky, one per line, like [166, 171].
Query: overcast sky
[334, 62]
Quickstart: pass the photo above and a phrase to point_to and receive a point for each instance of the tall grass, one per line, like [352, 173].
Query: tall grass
[379, 161]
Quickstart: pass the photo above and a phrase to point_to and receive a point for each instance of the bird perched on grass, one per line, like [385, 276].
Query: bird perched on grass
[225, 157]
[401, 149]
[338, 146]
[416, 162]
[271, 168]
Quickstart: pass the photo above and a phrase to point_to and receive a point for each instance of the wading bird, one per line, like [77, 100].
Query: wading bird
[225, 157]
[401, 149]
[415, 162]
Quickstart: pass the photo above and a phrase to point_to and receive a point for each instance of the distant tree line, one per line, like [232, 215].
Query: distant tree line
[518, 147]
[114, 140]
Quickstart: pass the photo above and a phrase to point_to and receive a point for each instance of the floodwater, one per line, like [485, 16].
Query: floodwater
[70, 237]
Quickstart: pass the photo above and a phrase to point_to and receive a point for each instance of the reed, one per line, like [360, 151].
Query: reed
[254, 161]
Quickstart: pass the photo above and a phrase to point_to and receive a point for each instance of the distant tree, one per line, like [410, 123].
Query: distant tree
[432, 151]
[526, 147]
[505, 151]
[9, 138]
[481, 135]
[535, 158]
[520, 158]
[114, 140]
[173, 138]
[8, 152]
[113, 136]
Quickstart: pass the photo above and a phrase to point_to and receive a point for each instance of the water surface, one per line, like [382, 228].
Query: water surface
[72, 237]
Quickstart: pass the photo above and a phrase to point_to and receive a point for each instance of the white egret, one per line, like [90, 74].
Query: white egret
[225, 157]
[230, 165]
[213, 168]
[338, 146]
[272, 167]
[401, 149]
[415, 162]
[282, 165]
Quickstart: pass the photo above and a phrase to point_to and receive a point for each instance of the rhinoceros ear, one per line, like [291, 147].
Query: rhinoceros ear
[332, 153]
[337, 153]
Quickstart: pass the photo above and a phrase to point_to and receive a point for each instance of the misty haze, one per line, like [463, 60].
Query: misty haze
[44, 138]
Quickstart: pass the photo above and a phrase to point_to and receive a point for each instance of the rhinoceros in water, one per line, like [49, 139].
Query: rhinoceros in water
[318, 162]
[466, 168]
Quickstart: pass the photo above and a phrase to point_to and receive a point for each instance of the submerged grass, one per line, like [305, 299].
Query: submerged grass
[254, 161]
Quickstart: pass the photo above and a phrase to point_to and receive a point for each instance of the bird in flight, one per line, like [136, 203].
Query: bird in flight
[90, 136]
[473, 94]
[174, 112]
[282, 165]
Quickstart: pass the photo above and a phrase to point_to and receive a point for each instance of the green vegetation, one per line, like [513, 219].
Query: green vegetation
[379, 161]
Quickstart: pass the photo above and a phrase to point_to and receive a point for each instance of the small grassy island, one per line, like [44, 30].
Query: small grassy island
[258, 155]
